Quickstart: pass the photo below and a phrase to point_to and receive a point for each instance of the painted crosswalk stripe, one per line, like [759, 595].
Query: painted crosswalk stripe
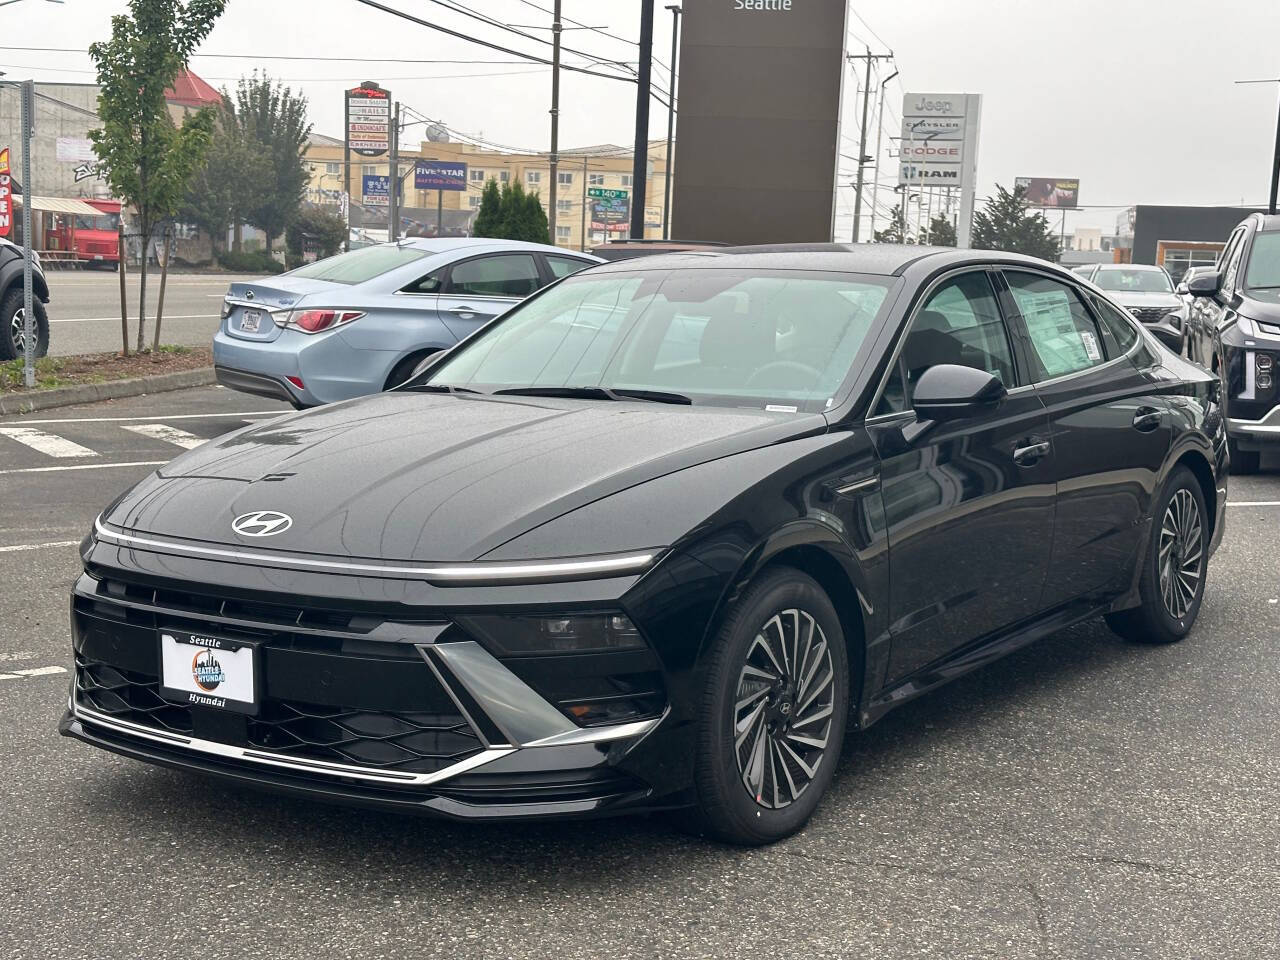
[46, 443]
[166, 433]
[32, 672]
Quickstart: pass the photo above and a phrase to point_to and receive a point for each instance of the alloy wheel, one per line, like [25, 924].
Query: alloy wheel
[782, 712]
[17, 332]
[1181, 559]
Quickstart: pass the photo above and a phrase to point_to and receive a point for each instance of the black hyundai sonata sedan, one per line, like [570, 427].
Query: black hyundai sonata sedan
[655, 539]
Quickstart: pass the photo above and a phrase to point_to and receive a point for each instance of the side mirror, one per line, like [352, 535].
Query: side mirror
[949, 391]
[1205, 285]
[1181, 289]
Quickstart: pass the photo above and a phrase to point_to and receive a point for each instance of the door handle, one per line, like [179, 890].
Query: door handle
[464, 312]
[1029, 454]
[1147, 419]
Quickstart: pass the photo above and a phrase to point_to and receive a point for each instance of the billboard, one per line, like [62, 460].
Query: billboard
[610, 213]
[368, 113]
[760, 84]
[375, 190]
[1050, 191]
[939, 147]
[439, 175]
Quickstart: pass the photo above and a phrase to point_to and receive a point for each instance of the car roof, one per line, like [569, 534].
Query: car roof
[465, 244]
[1268, 222]
[884, 259]
[1149, 267]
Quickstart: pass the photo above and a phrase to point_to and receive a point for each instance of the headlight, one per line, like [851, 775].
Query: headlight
[571, 633]
[1246, 327]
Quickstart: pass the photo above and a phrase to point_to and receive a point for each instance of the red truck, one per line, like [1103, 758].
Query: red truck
[91, 239]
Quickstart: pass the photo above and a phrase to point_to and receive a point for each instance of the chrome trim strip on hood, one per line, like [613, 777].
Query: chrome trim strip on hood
[474, 572]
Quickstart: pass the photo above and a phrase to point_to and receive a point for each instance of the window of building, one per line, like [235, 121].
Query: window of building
[564, 179]
[563, 206]
[476, 175]
[960, 323]
[595, 179]
[533, 176]
[1063, 336]
[504, 176]
[473, 201]
[369, 169]
[626, 179]
[562, 233]
[333, 168]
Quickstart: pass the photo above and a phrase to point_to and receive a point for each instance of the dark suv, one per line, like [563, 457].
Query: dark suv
[11, 315]
[1236, 333]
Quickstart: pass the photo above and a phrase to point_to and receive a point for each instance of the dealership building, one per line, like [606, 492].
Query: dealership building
[1175, 238]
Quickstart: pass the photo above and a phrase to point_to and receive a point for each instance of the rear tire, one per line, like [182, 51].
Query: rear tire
[773, 712]
[1171, 583]
[11, 323]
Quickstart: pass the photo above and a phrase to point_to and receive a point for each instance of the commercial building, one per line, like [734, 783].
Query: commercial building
[581, 220]
[1175, 238]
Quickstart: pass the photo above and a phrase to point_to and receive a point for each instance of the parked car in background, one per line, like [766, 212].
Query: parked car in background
[1147, 292]
[627, 249]
[360, 322]
[12, 317]
[655, 538]
[1237, 335]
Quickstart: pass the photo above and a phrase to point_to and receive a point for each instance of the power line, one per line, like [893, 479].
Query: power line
[871, 29]
[272, 56]
[433, 76]
[599, 30]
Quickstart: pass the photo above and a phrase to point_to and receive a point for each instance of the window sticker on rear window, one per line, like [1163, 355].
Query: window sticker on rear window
[1059, 345]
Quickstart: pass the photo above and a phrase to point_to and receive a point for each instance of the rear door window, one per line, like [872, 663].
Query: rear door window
[1064, 338]
[513, 275]
[1118, 333]
[563, 266]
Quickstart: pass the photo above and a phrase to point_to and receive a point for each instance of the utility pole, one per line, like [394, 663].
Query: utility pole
[346, 168]
[862, 138]
[1275, 157]
[640, 159]
[555, 119]
[393, 188]
[583, 244]
[875, 184]
[671, 120]
[28, 313]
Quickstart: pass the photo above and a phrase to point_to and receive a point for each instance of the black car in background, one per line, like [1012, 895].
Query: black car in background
[1236, 334]
[12, 314]
[655, 538]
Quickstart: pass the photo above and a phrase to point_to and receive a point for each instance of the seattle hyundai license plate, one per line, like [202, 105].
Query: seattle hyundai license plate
[208, 671]
[249, 321]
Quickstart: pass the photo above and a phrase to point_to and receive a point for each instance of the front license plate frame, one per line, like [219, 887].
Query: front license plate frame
[202, 670]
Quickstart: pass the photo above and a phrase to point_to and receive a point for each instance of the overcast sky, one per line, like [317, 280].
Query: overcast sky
[1134, 97]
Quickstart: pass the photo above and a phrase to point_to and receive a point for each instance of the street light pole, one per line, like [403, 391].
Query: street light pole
[875, 184]
[555, 120]
[671, 120]
[1275, 157]
[862, 137]
[640, 158]
[28, 311]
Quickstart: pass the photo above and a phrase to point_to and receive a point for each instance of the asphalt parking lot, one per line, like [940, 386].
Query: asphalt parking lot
[84, 308]
[1083, 798]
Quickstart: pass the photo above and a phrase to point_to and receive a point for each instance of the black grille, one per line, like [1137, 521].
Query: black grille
[127, 695]
[1150, 314]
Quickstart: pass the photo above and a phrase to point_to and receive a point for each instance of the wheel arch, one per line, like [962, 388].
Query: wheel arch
[11, 273]
[818, 551]
[411, 358]
[1197, 462]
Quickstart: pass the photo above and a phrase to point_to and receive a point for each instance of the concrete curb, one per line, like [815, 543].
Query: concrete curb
[108, 390]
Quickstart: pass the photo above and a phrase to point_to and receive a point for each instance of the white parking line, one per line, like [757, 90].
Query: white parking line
[85, 466]
[1253, 503]
[14, 548]
[46, 443]
[175, 416]
[181, 316]
[166, 433]
[33, 672]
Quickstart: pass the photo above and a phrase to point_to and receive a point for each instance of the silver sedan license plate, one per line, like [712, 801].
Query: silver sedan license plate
[250, 320]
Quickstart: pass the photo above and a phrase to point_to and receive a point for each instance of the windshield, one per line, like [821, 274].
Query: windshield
[108, 221]
[727, 337]
[1264, 262]
[360, 265]
[1134, 281]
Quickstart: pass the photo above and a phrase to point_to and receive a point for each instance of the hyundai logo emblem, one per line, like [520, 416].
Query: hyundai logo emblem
[261, 523]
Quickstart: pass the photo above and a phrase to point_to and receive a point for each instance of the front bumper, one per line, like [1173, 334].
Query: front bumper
[409, 715]
[1256, 434]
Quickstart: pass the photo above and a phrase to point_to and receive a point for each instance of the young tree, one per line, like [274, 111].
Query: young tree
[895, 232]
[535, 228]
[1006, 224]
[514, 211]
[148, 160]
[319, 227]
[274, 121]
[941, 232]
[489, 217]
[234, 176]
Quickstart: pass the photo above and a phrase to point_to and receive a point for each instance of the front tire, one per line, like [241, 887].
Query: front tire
[773, 711]
[11, 325]
[1171, 583]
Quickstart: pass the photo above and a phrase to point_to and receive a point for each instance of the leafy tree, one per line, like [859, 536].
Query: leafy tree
[148, 160]
[274, 121]
[513, 211]
[896, 231]
[941, 232]
[235, 173]
[316, 226]
[1006, 224]
[489, 217]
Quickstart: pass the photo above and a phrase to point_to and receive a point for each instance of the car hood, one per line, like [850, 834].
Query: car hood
[1263, 305]
[1131, 299]
[412, 476]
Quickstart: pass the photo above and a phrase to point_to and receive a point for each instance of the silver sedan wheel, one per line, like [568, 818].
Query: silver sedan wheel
[1181, 560]
[782, 712]
[17, 330]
